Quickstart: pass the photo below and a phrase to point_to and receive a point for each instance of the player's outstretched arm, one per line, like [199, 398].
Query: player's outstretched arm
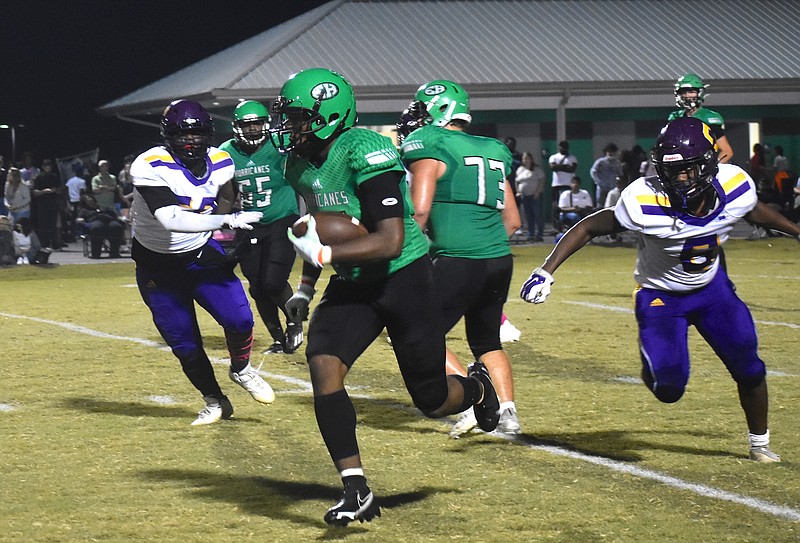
[766, 217]
[600, 223]
[536, 288]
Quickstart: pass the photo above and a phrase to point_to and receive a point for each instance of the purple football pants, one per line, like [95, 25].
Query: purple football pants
[170, 295]
[720, 317]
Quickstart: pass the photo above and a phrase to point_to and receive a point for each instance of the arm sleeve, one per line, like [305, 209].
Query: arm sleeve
[175, 219]
[381, 198]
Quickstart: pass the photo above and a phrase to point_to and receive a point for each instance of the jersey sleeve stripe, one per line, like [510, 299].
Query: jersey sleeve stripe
[653, 204]
[733, 183]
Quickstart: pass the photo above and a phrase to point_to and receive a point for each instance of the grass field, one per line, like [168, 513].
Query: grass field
[97, 446]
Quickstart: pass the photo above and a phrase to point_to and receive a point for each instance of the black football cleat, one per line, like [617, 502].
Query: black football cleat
[356, 504]
[487, 411]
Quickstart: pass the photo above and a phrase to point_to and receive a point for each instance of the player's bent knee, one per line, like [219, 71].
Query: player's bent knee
[668, 393]
[750, 382]
[429, 397]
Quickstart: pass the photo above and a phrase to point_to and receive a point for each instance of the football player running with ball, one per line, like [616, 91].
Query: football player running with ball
[264, 253]
[460, 192]
[682, 216]
[383, 279]
[182, 192]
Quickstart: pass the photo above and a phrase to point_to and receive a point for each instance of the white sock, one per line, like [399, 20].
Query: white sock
[349, 472]
[759, 440]
[507, 405]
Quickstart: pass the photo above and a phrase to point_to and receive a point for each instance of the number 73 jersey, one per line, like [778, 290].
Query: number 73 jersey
[679, 252]
[466, 213]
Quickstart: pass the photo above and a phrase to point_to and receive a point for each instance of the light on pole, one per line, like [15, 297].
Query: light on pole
[13, 128]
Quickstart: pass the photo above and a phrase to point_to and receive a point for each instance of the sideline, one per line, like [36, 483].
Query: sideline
[700, 489]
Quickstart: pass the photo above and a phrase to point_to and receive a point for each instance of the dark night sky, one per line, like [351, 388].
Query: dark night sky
[60, 60]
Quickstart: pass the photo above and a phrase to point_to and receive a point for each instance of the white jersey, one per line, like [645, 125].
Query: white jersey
[678, 252]
[157, 168]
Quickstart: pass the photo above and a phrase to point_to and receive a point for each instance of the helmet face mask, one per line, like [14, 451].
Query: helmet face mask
[689, 82]
[250, 123]
[414, 116]
[685, 159]
[314, 106]
[445, 101]
[187, 129]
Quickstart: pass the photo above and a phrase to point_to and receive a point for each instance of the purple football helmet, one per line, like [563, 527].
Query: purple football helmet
[686, 145]
[187, 129]
[414, 116]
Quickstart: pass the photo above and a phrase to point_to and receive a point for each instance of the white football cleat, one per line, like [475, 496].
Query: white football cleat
[466, 423]
[214, 410]
[251, 381]
[509, 332]
[509, 423]
[763, 455]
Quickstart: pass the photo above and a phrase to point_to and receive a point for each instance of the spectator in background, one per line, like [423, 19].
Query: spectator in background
[780, 163]
[47, 196]
[605, 172]
[17, 195]
[125, 184]
[8, 256]
[613, 195]
[646, 168]
[100, 223]
[28, 171]
[27, 247]
[758, 163]
[530, 188]
[76, 187]
[574, 204]
[104, 187]
[563, 166]
[516, 160]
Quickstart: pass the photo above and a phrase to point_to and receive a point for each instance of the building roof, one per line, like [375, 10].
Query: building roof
[531, 54]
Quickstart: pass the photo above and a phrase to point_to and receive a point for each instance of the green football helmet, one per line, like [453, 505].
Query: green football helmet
[314, 106]
[446, 101]
[250, 123]
[690, 81]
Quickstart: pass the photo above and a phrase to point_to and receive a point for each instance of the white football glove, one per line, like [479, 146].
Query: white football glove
[536, 288]
[297, 305]
[242, 219]
[308, 246]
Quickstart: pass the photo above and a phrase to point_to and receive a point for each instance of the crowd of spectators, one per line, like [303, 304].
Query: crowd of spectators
[40, 210]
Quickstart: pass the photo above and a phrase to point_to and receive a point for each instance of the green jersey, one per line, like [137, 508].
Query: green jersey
[259, 178]
[356, 156]
[466, 213]
[708, 116]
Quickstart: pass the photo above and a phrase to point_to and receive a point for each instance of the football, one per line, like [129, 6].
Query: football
[333, 228]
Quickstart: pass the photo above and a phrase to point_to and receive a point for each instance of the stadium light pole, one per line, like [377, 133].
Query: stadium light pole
[13, 128]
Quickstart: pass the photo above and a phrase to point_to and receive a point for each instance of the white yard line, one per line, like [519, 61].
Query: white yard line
[630, 311]
[702, 490]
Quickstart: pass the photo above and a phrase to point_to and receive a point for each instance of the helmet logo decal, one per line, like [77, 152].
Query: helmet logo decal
[324, 91]
[433, 90]
[709, 137]
[672, 158]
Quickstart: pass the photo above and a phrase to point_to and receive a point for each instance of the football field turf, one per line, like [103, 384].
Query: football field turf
[97, 445]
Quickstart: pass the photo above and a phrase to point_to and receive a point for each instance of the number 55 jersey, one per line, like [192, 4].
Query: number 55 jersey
[678, 252]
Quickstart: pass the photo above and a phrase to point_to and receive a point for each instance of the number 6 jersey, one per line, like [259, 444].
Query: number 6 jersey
[678, 252]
